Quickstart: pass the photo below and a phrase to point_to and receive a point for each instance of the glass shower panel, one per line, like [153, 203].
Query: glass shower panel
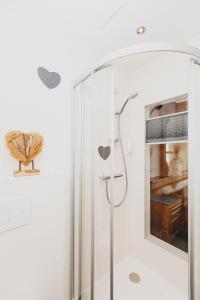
[92, 176]
[102, 128]
[141, 257]
[75, 252]
[86, 209]
[194, 170]
[83, 197]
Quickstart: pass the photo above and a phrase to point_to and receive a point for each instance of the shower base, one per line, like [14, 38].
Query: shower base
[151, 286]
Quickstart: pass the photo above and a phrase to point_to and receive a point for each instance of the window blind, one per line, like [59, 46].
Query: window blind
[167, 128]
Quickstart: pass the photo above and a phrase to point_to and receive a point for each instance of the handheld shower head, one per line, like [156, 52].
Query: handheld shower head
[131, 97]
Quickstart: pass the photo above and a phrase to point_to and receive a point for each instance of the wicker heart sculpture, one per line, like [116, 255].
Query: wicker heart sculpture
[24, 147]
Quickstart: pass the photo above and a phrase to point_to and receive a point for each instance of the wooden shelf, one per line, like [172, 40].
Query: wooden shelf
[158, 182]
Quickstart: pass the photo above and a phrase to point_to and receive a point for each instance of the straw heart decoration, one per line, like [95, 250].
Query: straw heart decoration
[24, 147]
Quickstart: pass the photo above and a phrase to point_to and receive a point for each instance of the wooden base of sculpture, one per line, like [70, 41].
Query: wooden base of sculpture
[26, 172]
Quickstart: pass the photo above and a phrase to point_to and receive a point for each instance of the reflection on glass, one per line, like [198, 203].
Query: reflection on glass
[169, 177]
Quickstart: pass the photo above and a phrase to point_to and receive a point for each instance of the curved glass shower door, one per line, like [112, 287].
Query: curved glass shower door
[136, 185]
[83, 194]
[93, 169]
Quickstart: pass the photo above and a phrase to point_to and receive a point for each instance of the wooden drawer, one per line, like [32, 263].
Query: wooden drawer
[167, 220]
[176, 226]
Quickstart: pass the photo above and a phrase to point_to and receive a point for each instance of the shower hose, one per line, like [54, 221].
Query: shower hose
[120, 142]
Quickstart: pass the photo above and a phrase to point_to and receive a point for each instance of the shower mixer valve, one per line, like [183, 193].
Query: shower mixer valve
[108, 177]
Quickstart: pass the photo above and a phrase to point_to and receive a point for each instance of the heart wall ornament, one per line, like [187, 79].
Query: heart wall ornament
[104, 152]
[24, 147]
[50, 79]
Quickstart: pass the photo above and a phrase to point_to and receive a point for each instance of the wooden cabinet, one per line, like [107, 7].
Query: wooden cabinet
[167, 216]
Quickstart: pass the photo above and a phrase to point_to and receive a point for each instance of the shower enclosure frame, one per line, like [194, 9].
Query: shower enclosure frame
[194, 53]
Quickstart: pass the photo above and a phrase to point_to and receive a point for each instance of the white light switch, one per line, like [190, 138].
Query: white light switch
[14, 213]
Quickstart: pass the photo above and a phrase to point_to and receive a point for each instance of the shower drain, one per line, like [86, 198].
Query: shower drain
[134, 277]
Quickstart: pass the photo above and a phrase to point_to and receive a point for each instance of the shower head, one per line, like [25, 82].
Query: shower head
[131, 97]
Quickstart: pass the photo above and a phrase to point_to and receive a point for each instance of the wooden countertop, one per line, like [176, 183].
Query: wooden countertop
[165, 199]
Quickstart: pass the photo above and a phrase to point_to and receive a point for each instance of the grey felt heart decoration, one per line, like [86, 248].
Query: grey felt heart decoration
[104, 152]
[50, 79]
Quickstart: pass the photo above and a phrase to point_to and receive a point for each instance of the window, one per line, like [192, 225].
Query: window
[166, 138]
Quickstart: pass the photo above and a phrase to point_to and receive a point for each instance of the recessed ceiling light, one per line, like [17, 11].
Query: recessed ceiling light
[141, 30]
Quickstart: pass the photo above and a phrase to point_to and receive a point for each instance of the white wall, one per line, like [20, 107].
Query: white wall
[34, 259]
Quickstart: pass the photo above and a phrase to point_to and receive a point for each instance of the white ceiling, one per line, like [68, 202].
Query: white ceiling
[172, 19]
[101, 26]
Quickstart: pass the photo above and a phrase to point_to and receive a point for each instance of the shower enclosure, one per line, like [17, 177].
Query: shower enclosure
[135, 228]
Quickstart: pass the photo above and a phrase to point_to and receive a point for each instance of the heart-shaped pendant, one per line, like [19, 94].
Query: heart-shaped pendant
[104, 152]
[50, 79]
[24, 147]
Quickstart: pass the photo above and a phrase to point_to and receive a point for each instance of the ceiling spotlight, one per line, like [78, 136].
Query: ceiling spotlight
[141, 30]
